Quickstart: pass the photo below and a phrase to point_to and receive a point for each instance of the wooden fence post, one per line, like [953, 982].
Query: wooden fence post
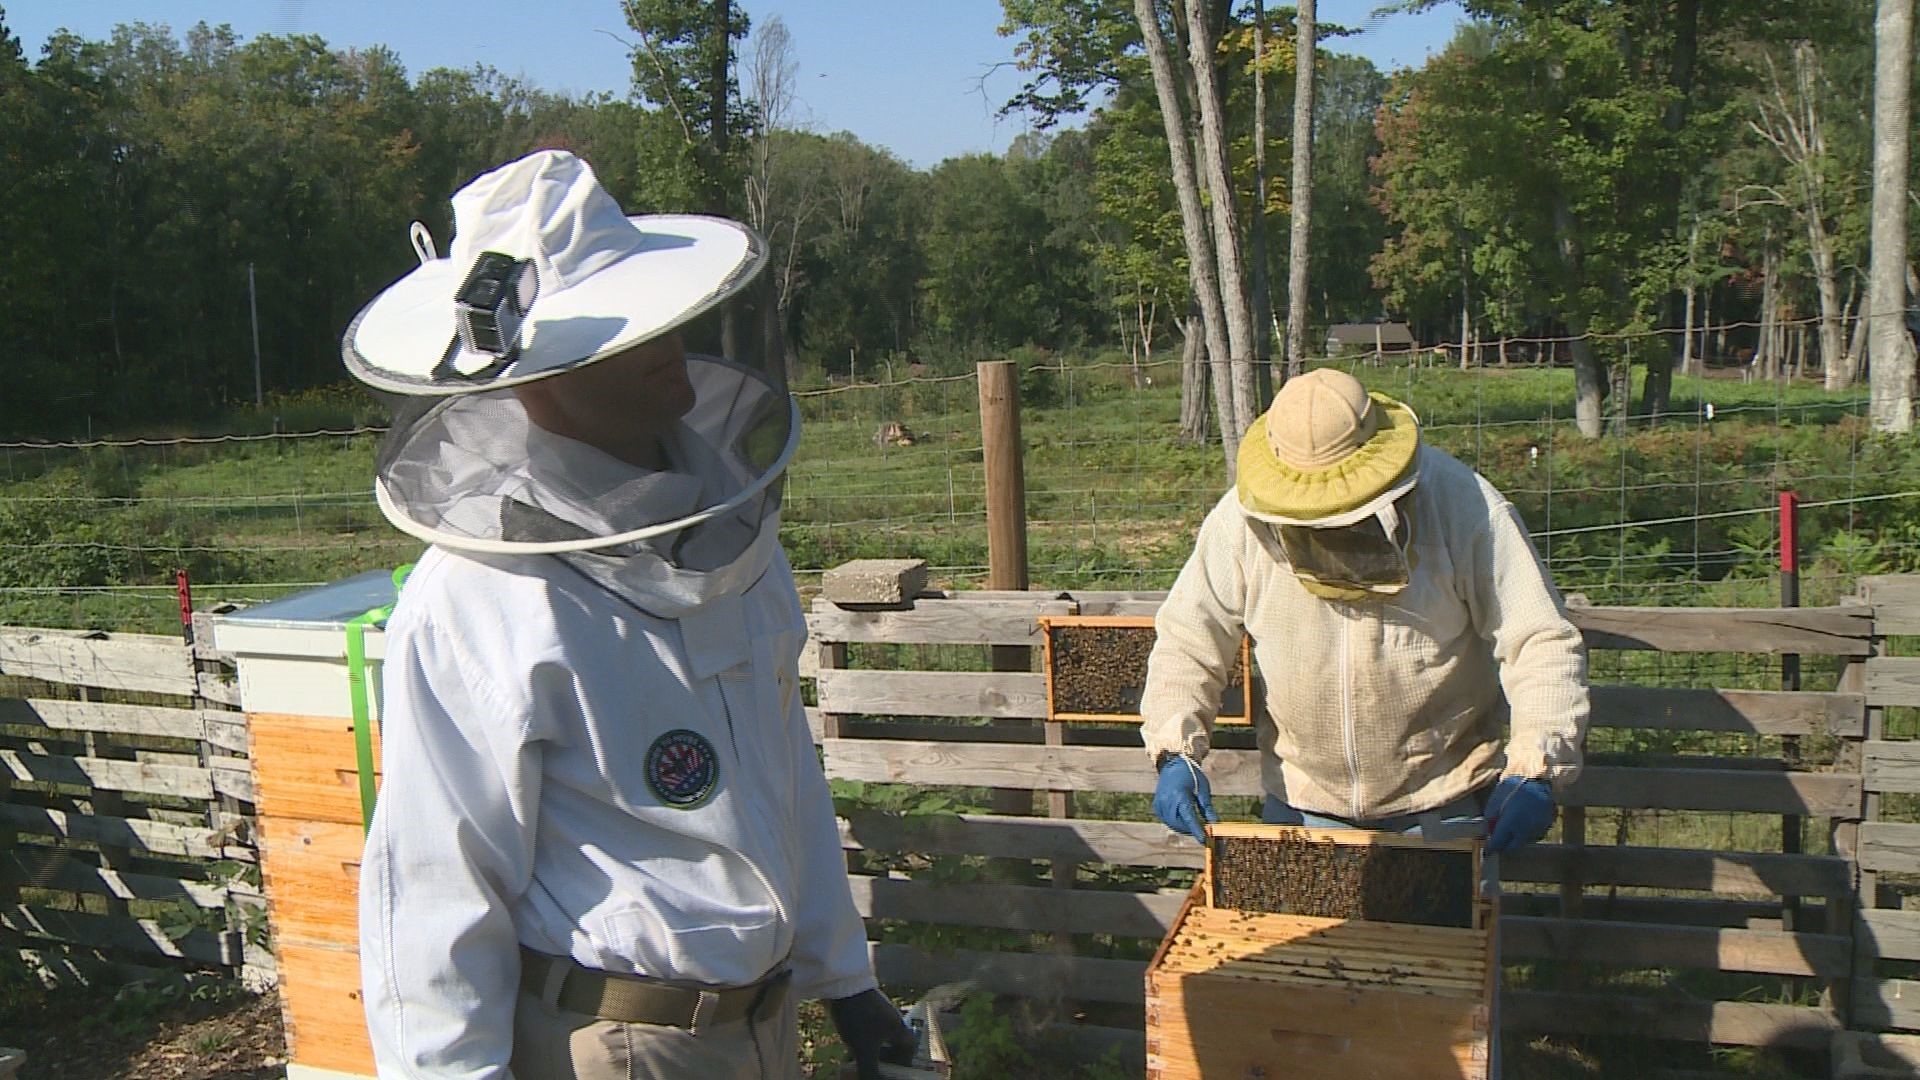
[1006, 493]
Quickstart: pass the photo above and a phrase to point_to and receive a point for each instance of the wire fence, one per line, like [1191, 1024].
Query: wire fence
[1677, 506]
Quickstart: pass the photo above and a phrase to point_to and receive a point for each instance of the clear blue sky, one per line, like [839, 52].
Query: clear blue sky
[915, 76]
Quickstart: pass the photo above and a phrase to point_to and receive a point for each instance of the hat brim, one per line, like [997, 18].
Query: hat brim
[1379, 470]
[685, 266]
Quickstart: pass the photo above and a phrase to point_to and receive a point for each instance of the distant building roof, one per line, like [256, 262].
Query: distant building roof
[1390, 335]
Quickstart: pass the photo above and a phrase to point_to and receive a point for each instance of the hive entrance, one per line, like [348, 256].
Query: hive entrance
[1293, 874]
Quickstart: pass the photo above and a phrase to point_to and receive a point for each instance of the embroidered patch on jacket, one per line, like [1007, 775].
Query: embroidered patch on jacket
[682, 768]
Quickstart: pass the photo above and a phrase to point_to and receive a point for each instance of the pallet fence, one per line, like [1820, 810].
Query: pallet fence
[126, 835]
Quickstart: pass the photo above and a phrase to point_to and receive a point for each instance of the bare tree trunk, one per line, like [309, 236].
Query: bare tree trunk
[1857, 343]
[1892, 350]
[1589, 376]
[1769, 304]
[1224, 210]
[1262, 285]
[1301, 200]
[1688, 357]
[1193, 228]
[1193, 382]
[1466, 325]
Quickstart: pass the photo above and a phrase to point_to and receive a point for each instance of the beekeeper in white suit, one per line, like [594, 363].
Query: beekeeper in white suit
[604, 846]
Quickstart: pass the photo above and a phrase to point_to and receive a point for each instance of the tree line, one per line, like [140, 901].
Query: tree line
[1619, 173]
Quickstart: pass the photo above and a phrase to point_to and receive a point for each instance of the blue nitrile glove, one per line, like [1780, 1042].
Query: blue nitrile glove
[1519, 812]
[1182, 799]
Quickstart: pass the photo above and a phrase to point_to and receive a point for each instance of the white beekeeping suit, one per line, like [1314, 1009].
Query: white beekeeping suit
[604, 845]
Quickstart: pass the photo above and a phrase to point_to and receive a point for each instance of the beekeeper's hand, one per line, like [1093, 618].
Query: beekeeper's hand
[873, 1031]
[1182, 799]
[1519, 812]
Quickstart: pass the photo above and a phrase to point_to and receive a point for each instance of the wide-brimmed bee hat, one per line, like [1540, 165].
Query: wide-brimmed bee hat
[546, 277]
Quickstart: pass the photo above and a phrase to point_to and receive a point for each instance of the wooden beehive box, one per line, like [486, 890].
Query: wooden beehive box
[1272, 990]
[293, 686]
[1097, 669]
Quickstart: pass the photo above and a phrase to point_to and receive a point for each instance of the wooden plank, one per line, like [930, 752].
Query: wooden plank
[142, 837]
[45, 868]
[108, 774]
[1889, 933]
[1081, 768]
[1889, 847]
[325, 1020]
[113, 932]
[233, 778]
[219, 688]
[940, 622]
[1810, 794]
[150, 721]
[1893, 680]
[1725, 1023]
[304, 767]
[1620, 944]
[1824, 631]
[1891, 767]
[1038, 908]
[1237, 772]
[935, 693]
[227, 732]
[1046, 976]
[1727, 873]
[1886, 1003]
[1127, 843]
[152, 663]
[312, 873]
[1895, 599]
[1758, 712]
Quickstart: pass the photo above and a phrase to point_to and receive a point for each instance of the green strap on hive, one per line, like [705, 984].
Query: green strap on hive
[357, 695]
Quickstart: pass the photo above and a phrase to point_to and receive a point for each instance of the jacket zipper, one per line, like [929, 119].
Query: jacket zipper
[1346, 713]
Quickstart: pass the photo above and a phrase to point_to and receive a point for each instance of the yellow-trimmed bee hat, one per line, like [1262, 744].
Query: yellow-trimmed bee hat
[1327, 453]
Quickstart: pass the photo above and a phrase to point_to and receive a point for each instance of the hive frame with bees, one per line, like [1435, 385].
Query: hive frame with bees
[1245, 993]
[1062, 671]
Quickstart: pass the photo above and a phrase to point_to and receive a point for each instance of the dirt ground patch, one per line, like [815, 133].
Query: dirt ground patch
[210, 1031]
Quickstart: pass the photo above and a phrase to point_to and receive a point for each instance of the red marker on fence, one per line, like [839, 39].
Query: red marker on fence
[183, 589]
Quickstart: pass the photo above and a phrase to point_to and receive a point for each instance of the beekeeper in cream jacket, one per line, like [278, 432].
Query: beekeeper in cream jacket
[1418, 663]
[603, 846]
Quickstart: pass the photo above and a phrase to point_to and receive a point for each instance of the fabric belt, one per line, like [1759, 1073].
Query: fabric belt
[631, 999]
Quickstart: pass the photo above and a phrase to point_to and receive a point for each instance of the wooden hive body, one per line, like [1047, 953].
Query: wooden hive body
[1237, 994]
[294, 687]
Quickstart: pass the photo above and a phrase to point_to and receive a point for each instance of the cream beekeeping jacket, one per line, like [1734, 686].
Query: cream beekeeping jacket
[1382, 707]
[518, 805]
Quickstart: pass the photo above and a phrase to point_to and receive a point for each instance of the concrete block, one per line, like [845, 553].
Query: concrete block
[875, 582]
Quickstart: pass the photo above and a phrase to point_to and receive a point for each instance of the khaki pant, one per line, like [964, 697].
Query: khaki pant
[552, 1044]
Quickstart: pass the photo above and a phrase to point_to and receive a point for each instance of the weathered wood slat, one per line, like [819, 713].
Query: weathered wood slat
[1759, 712]
[1823, 631]
[143, 837]
[1127, 843]
[1895, 599]
[233, 778]
[148, 721]
[1727, 873]
[112, 931]
[1018, 907]
[228, 731]
[1889, 847]
[46, 869]
[1236, 772]
[1049, 976]
[1889, 934]
[1623, 944]
[148, 662]
[1808, 794]
[108, 774]
[939, 622]
[1891, 767]
[934, 693]
[1724, 1023]
[1886, 1003]
[1893, 680]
